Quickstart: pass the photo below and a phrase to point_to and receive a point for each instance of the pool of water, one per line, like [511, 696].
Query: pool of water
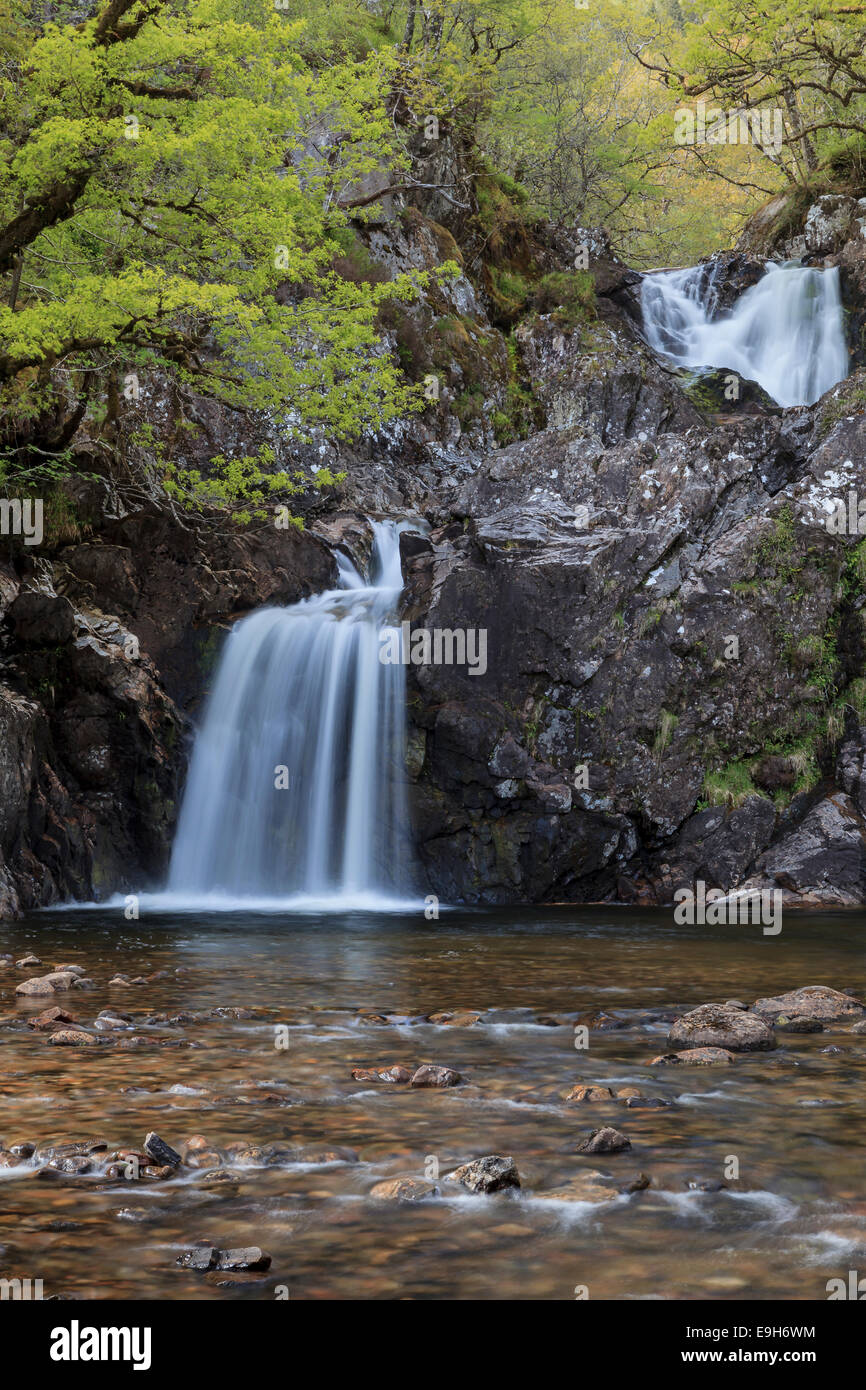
[794, 1217]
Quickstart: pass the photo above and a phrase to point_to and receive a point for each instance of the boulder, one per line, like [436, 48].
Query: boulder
[72, 1037]
[810, 1004]
[604, 1141]
[490, 1174]
[717, 1025]
[828, 223]
[160, 1152]
[430, 1075]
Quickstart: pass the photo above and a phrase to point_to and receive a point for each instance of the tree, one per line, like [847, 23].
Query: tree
[170, 203]
[807, 61]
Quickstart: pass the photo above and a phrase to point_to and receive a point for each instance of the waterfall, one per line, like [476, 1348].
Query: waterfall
[786, 332]
[296, 787]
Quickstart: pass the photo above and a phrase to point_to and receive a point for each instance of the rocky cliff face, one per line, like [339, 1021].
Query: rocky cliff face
[107, 646]
[674, 681]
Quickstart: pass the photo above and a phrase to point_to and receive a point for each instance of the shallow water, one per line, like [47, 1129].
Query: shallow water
[793, 1118]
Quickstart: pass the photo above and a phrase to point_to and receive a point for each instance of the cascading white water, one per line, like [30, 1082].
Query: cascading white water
[303, 689]
[786, 332]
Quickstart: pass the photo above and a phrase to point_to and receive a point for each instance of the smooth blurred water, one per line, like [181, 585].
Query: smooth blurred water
[354, 990]
[786, 332]
[297, 784]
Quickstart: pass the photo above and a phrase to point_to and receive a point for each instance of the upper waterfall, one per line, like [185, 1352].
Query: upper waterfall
[296, 787]
[786, 332]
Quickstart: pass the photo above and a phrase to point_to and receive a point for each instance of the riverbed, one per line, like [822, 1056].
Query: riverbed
[306, 999]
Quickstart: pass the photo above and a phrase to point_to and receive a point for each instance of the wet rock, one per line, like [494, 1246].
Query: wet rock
[120, 980]
[583, 1187]
[161, 1152]
[22, 1151]
[403, 1190]
[51, 1153]
[859, 1027]
[695, 1057]
[200, 1260]
[431, 1075]
[196, 1144]
[813, 1002]
[44, 619]
[647, 1103]
[600, 1021]
[75, 1165]
[717, 1025]
[706, 1185]
[45, 984]
[639, 1183]
[604, 1141]
[783, 1024]
[311, 1153]
[461, 1019]
[72, 1037]
[821, 861]
[64, 969]
[107, 1023]
[628, 1093]
[395, 1074]
[490, 1174]
[225, 1178]
[206, 1158]
[27, 960]
[50, 1018]
[589, 1095]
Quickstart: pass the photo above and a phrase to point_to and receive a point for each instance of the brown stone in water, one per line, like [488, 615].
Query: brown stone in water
[72, 1037]
[403, 1190]
[604, 1141]
[431, 1075]
[695, 1057]
[588, 1095]
[50, 1018]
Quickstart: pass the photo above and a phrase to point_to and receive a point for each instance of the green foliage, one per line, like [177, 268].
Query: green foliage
[568, 295]
[178, 221]
[730, 785]
[247, 486]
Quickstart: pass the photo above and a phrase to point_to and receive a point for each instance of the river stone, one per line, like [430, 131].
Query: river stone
[589, 1095]
[459, 1019]
[813, 1002]
[429, 1075]
[403, 1190]
[250, 1257]
[45, 984]
[695, 1057]
[583, 1187]
[72, 1037]
[161, 1152]
[50, 1018]
[717, 1025]
[393, 1074]
[490, 1174]
[201, 1260]
[604, 1141]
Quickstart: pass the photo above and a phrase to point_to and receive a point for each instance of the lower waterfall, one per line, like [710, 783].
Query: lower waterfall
[296, 787]
[786, 332]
